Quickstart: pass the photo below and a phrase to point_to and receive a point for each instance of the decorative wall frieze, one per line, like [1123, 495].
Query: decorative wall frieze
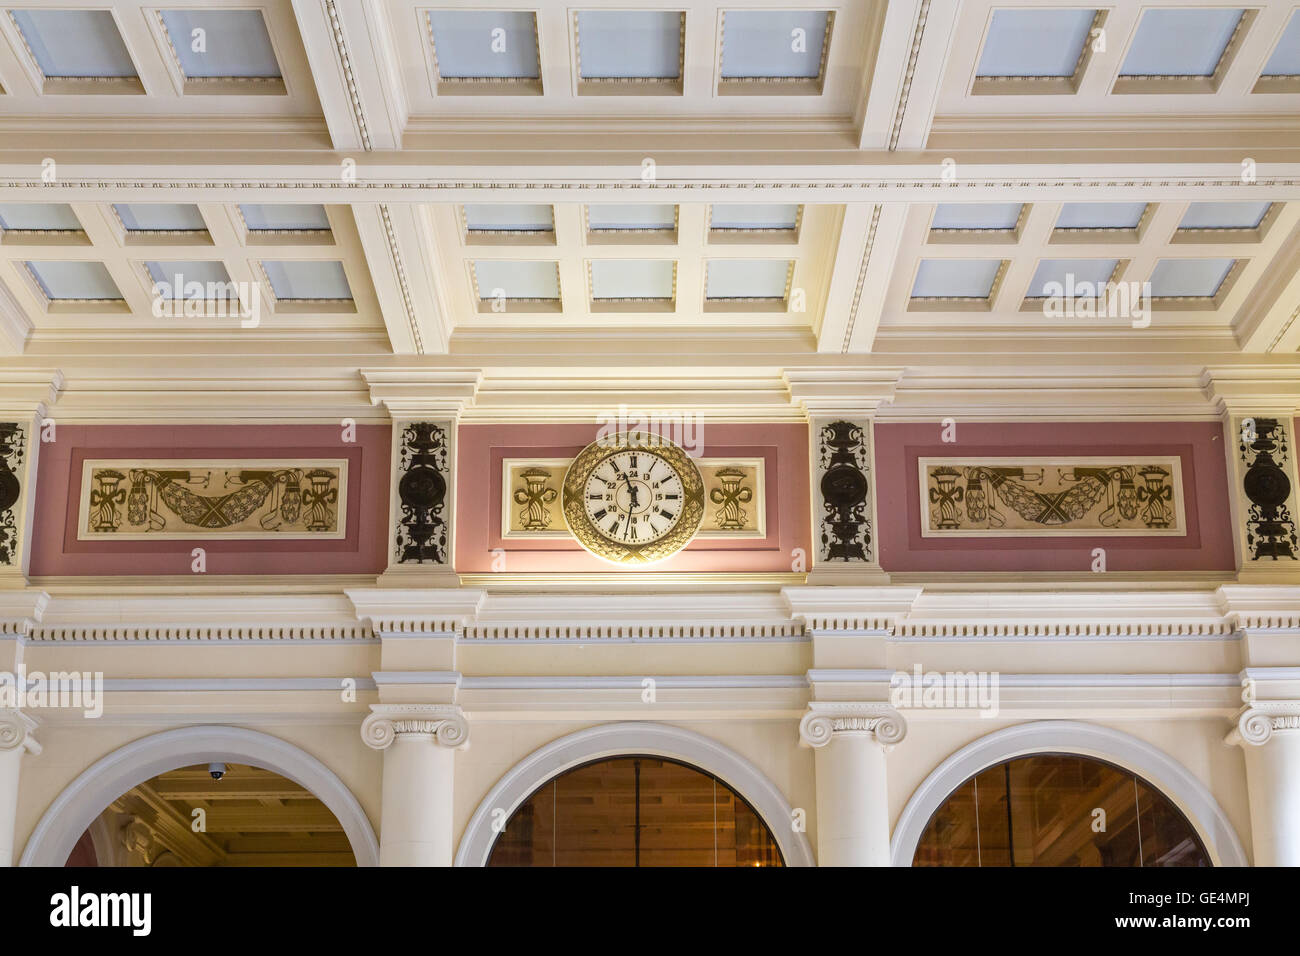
[1267, 489]
[824, 721]
[422, 482]
[13, 452]
[843, 491]
[1258, 722]
[443, 724]
[1004, 497]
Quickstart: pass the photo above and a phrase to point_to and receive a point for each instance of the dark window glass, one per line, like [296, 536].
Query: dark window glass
[1058, 810]
[635, 811]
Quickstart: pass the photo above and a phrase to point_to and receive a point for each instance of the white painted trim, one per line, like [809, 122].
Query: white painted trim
[1155, 766]
[612, 740]
[107, 779]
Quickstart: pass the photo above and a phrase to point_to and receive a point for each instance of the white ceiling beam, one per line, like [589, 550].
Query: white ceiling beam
[398, 242]
[927, 62]
[1270, 321]
[864, 261]
[15, 324]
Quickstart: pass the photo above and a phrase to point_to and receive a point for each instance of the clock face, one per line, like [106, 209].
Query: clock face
[634, 498]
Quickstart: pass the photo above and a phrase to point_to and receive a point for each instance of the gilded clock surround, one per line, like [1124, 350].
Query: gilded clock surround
[584, 528]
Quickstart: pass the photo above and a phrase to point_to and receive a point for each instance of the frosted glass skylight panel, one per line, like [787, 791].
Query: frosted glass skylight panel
[955, 278]
[294, 216]
[1035, 42]
[1189, 277]
[75, 43]
[629, 44]
[184, 280]
[509, 217]
[213, 44]
[1224, 215]
[659, 216]
[1180, 42]
[74, 280]
[754, 216]
[982, 215]
[1101, 215]
[1285, 58]
[632, 279]
[1070, 273]
[307, 279]
[514, 279]
[485, 44]
[54, 216]
[783, 44]
[160, 217]
[747, 278]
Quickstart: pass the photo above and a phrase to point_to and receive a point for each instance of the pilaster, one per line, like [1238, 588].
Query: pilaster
[25, 398]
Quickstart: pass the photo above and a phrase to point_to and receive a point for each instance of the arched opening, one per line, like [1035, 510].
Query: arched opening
[78, 811]
[1058, 810]
[635, 811]
[246, 816]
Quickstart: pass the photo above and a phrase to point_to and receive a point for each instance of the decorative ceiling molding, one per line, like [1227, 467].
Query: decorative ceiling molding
[918, 34]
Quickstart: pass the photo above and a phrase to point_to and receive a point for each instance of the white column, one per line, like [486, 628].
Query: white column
[15, 740]
[851, 740]
[1270, 734]
[419, 743]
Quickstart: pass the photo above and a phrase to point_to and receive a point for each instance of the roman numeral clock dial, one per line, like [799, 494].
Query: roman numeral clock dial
[633, 498]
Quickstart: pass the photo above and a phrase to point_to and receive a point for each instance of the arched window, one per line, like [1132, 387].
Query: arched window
[635, 811]
[1058, 810]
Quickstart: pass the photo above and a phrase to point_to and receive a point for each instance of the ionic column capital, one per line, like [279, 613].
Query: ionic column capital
[16, 731]
[442, 724]
[1257, 723]
[825, 721]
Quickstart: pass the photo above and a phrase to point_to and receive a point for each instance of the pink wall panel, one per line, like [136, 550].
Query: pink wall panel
[482, 448]
[1207, 546]
[56, 550]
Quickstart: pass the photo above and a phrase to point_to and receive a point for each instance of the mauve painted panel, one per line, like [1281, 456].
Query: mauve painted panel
[482, 448]
[56, 550]
[1208, 545]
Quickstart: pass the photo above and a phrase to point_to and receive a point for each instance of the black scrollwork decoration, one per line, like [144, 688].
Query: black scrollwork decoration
[846, 524]
[12, 437]
[1270, 525]
[422, 491]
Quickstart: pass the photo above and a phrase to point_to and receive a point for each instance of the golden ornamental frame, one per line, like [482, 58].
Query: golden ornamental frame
[585, 530]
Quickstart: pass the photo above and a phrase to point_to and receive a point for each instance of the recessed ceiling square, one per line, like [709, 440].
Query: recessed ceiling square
[1069, 274]
[74, 43]
[53, 216]
[632, 278]
[1189, 277]
[747, 278]
[955, 278]
[509, 217]
[517, 279]
[307, 279]
[1224, 215]
[74, 280]
[1035, 42]
[1285, 58]
[979, 215]
[485, 44]
[1180, 41]
[778, 44]
[159, 217]
[290, 216]
[212, 44]
[754, 216]
[191, 280]
[658, 216]
[629, 44]
[1101, 215]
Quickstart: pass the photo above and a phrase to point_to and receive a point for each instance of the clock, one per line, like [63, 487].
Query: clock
[633, 498]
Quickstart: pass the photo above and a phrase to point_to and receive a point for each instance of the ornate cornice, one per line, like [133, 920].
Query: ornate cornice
[824, 721]
[1257, 723]
[444, 724]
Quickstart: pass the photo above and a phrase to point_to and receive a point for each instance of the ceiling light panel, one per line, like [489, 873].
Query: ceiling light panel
[955, 278]
[774, 51]
[1189, 277]
[629, 52]
[307, 279]
[1101, 215]
[490, 51]
[74, 280]
[44, 217]
[1285, 58]
[632, 279]
[516, 279]
[1181, 49]
[783, 216]
[296, 217]
[191, 280]
[987, 215]
[1070, 274]
[221, 44]
[509, 217]
[77, 51]
[1224, 215]
[1035, 43]
[160, 217]
[632, 216]
[747, 278]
